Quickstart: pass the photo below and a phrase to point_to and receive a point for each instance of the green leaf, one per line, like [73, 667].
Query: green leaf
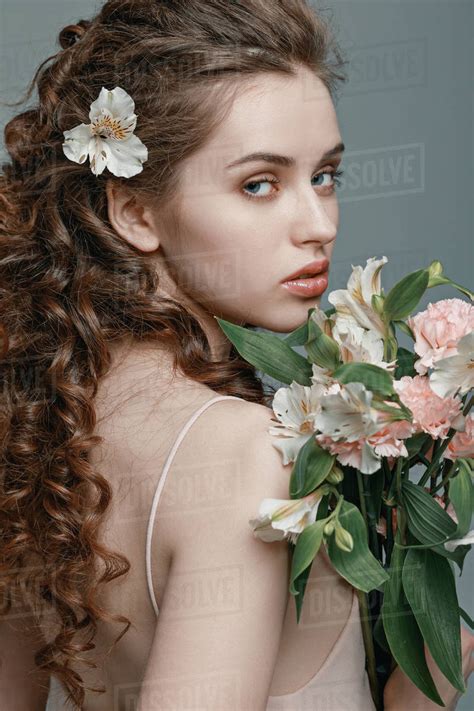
[468, 620]
[402, 631]
[421, 546]
[430, 588]
[456, 555]
[311, 467]
[298, 337]
[323, 508]
[428, 522]
[359, 567]
[374, 484]
[461, 495]
[404, 328]
[374, 378]
[414, 444]
[437, 281]
[405, 363]
[405, 295]
[427, 525]
[307, 546]
[269, 354]
[299, 585]
[321, 348]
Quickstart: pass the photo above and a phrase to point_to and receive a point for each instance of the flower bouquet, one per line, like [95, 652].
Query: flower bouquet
[359, 412]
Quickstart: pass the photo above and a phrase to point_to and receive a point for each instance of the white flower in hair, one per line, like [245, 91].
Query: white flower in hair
[108, 140]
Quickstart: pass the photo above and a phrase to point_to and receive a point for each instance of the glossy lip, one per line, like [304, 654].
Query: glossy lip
[311, 286]
[313, 268]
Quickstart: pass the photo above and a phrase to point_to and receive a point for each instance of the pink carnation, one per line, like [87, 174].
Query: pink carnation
[431, 413]
[388, 442]
[385, 443]
[438, 329]
[462, 444]
[349, 453]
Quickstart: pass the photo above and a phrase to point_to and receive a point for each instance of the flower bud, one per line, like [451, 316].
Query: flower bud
[392, 348]
[344, 539]
[335, 476]
[435, 270]
[328, 529]
[377, 304]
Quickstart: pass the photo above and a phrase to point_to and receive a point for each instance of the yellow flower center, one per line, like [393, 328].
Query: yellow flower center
[107, 127]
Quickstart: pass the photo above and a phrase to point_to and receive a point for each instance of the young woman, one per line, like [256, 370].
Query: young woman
[134, 438]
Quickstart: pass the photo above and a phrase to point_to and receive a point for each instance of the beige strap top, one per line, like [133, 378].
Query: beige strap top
[341, 684]
[181, 435]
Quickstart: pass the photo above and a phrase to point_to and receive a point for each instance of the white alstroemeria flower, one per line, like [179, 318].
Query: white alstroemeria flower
[321, 376]
[322, 320]
[108, 140]
[285, 518]
[355, 302]
[294, 406]
[457, 371]
[467, 540]
[348, 414]
[360, 345]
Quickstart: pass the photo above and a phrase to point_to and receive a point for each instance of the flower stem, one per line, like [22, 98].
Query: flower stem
[398, 476]
[447, 474]
[363, 508]
[423, 460]
[389, 548]
[364, 612]
[468, 405]
[437, 452]
[435, 471]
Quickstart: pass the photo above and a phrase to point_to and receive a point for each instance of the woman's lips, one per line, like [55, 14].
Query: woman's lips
[311, 286]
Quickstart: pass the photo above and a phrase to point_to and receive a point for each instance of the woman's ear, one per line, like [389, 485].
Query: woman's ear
[131, 220]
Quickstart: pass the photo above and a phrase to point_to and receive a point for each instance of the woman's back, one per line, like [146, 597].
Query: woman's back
[202, 486]
[139, 416]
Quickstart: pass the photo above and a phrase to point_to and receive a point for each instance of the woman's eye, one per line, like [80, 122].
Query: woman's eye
[257, 184]
[256, 193]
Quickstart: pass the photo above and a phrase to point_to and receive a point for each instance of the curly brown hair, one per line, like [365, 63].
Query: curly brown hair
[69, 286]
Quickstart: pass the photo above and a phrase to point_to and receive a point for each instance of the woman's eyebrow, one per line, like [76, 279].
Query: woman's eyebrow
[285, 161]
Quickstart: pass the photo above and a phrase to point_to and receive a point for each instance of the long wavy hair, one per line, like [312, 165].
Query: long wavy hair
[70, 286]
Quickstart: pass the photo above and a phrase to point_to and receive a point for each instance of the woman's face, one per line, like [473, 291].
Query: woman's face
[243, 229]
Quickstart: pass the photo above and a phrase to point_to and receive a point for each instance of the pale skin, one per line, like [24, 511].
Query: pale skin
[230, 252]
[225, 255]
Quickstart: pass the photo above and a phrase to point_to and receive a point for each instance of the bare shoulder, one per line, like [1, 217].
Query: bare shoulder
[237, 467]
[247, 413]
[226, 465]
[238, 431]
[222, 613]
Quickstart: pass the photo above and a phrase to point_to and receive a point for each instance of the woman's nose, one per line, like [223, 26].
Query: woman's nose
[316, 220]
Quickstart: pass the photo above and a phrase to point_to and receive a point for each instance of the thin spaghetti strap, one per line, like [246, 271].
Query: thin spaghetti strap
[161, 484]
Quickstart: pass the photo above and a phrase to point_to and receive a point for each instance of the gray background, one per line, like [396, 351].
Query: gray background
[406, 117]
